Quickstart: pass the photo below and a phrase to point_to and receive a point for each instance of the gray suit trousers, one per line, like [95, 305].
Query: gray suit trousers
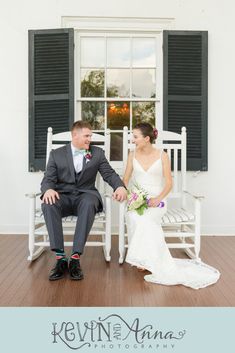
[83, 205]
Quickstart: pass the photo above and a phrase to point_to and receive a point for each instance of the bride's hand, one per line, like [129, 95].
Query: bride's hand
[154, 202]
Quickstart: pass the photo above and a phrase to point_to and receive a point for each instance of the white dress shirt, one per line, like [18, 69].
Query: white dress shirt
[77, 159]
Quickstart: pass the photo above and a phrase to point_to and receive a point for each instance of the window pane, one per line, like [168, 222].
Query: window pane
[118, 83]
[118, 52]
[118, 115]
[143, 112]
[92, 83]
[93, 112]
[144, 52]
[116, 146]
[143, 83]
[92, 52]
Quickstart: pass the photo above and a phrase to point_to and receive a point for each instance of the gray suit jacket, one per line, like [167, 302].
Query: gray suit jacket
[60, 173]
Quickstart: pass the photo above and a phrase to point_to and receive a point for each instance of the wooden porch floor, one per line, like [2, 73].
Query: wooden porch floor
[108, 284]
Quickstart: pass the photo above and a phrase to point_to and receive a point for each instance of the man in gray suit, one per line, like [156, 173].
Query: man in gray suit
[68, 188]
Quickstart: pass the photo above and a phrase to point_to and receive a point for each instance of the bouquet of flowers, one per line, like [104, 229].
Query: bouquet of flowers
[138, 200]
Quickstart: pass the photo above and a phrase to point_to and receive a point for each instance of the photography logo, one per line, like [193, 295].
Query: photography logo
[112, 332]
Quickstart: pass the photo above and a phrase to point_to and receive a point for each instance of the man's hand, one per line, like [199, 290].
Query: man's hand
[120, 194]
[50, 196]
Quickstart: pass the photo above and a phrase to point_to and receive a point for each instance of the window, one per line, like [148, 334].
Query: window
[118, 82]
[122, 76]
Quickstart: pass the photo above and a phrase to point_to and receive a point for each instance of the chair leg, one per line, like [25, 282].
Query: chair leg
[33, 254]
[107, 246]
[108, 235]
[36, 253]
[122, 232]
[197, 243]
[32, 205]
[31, 246]
[197, 239]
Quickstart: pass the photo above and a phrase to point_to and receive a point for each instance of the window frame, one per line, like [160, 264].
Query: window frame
[158, 74]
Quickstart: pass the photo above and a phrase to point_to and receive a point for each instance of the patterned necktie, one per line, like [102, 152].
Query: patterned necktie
[79, 151]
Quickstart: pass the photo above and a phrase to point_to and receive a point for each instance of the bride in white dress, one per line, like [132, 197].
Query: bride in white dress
[150, 169]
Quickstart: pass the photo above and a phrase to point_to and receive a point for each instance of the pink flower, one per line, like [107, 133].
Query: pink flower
[135, 196]
[88, 155]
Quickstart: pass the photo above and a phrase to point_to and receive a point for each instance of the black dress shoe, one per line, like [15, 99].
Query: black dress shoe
[59, 271]
[75, 270]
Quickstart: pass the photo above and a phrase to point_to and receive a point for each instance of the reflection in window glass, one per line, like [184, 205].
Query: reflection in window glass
[144, 52]
[118, 83]
[118, 52]
[118, 115]
[92, 83]
[92, 52]
[93, 112]
[116, 146]
[143, 83]
[143, 112]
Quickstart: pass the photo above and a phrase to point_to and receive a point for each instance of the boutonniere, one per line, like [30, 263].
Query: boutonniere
[88, 156]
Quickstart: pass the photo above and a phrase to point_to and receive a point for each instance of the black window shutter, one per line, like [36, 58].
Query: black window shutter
[51, 88]
[185, 77]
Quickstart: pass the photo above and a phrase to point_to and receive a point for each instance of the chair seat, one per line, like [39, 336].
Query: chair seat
[40, 218]
[177, 215]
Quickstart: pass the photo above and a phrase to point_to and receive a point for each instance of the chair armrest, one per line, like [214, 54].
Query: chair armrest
[122, 209]
[106, 198]
[108, 195]
[196, 197]
[33, 194]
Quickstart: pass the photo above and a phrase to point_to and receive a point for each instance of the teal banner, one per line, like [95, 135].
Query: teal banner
[106, 330]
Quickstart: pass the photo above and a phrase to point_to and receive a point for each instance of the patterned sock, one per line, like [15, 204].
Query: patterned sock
[75, 256]
[60, 254]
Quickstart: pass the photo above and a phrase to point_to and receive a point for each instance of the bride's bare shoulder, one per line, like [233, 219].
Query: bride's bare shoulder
[158, 152]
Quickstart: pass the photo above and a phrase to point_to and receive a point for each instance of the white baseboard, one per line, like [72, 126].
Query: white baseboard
[218, 230]
[206, 230]
[13, 229]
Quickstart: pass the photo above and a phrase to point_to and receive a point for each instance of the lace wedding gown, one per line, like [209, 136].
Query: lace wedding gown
[147, 247]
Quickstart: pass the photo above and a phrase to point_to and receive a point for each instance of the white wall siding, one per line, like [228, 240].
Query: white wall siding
[218, 208]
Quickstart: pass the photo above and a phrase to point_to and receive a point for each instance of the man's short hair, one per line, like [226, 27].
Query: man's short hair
[80, 124]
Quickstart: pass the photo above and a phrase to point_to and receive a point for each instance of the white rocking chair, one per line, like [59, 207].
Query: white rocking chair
[38, 235]
[182, 219]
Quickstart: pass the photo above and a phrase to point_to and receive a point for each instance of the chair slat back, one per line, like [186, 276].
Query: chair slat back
[175, 146]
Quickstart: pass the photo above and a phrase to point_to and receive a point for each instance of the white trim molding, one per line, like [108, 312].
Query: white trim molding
[11, 229]
[218, 230]
[150, 24]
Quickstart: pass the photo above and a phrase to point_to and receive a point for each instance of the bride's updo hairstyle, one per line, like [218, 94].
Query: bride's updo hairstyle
[147, 130]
